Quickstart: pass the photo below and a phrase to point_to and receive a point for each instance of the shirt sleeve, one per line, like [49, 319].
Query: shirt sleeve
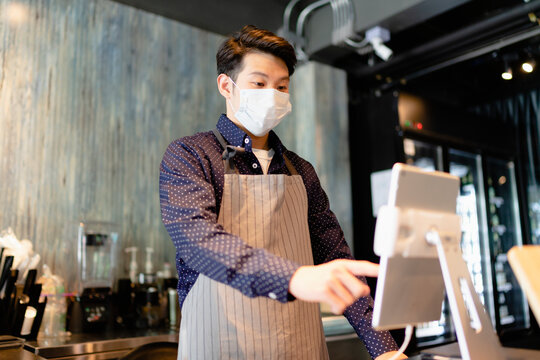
[328, 242]
[188, 210]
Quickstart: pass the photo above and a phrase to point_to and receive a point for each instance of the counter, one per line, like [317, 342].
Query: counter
[114, 344]
[98, 346]
[18, 354]
[341, 340]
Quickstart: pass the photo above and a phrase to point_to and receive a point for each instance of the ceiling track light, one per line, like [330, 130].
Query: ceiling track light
[507, 74]
[528, 66]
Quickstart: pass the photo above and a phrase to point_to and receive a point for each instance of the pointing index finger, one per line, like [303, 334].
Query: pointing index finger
[361, 267]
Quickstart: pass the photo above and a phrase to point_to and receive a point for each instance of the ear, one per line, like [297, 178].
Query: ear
[224, 86]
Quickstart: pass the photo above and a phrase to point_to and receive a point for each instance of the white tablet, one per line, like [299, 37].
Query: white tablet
[410, 287]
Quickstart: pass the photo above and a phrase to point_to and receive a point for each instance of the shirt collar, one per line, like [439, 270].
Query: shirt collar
[238, 137]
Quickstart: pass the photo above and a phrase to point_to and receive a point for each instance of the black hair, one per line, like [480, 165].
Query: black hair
[252, 39]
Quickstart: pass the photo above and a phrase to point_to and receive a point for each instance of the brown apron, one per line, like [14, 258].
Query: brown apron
[218, 321]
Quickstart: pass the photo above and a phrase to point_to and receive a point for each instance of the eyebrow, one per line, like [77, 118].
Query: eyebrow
[266, 76]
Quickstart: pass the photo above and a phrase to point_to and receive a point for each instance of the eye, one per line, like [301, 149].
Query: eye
[283, 88]
[258, 84]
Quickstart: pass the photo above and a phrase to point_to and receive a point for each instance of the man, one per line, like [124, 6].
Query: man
[249, 220]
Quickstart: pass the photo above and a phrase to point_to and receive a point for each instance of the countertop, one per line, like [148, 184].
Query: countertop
[96, 346]
[116, 343]
[18, 354]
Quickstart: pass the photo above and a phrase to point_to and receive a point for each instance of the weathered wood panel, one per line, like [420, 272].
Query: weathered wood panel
[92, 92]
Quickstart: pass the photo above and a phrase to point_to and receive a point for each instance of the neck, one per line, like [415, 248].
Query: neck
[259, 142]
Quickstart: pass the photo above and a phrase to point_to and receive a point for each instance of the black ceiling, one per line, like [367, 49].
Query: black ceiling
[218, 16]
[457, 55]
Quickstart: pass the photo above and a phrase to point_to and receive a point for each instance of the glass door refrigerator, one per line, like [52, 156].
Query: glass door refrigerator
[471, 207]
[488, 207]
[504, 230]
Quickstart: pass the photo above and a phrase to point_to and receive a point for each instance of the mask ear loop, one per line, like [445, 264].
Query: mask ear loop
[229, 100]
[230, 78]
[232, 107]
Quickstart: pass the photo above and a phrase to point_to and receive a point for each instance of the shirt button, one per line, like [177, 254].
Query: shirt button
[246, 140]
[254, 165]
[272, 296]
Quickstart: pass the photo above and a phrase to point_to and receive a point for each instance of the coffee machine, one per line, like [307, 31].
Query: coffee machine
[97, 260]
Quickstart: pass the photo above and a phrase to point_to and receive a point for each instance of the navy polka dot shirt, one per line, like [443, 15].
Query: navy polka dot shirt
[190, 188]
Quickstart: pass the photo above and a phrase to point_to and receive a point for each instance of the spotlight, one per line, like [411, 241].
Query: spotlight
[507, 75]
[528, 66]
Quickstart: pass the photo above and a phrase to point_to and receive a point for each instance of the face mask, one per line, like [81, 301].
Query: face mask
[261, 110]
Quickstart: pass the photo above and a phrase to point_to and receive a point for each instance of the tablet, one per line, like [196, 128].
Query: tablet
[410, 287]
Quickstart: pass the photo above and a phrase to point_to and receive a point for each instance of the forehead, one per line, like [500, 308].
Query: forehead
[264, 63]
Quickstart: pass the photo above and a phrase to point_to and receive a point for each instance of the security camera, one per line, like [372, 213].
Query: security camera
[377, 36]
[382, 51]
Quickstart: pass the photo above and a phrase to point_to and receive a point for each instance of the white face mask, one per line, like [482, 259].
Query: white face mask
[261, 110]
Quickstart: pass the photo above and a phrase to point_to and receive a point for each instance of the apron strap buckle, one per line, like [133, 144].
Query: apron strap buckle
[230, 152]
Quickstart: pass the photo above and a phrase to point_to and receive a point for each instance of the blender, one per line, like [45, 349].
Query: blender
[97, 258]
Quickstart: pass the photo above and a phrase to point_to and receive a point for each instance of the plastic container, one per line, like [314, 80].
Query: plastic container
[54, 317]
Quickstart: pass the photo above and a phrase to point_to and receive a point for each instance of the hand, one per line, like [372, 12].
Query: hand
[389, 355]
[333, 283]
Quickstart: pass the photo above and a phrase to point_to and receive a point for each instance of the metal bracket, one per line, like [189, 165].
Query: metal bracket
[476, 337]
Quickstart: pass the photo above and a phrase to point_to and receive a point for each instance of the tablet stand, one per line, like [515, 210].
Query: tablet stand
[476, 337]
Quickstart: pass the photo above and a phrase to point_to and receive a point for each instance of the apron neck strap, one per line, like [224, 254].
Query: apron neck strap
[230, 151]
[220, 138]
[289, 165]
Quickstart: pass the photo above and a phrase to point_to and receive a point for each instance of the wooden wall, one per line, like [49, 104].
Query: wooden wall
[91, 94]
